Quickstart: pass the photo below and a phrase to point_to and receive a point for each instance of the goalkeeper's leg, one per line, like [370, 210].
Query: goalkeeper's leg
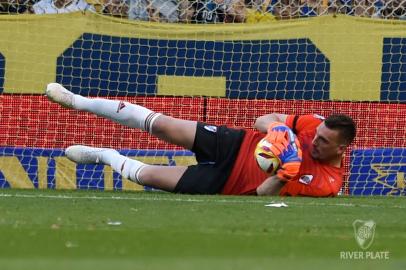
[173, 130]
[162, 177]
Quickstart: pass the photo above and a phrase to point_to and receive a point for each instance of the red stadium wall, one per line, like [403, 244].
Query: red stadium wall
[32, 121]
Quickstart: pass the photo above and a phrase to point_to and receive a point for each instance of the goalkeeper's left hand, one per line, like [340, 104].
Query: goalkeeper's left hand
[286, 147]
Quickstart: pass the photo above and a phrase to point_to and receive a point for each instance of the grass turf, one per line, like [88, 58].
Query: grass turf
[151, 230]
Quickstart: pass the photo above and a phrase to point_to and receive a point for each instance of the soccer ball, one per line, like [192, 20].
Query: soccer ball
[266, 160]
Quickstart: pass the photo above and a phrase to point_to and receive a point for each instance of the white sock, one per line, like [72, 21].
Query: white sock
[128, 168]
[124, 113]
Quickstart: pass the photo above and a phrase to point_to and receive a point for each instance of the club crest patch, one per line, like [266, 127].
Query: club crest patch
[211, 128]
[306, 179]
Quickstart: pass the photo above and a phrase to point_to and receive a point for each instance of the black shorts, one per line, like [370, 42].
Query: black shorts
[216, 149]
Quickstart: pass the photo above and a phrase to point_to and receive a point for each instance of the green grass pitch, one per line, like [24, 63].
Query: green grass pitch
[153, 230]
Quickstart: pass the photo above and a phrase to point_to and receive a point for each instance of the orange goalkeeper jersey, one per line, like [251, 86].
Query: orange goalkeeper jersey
[314, 178]
[246, 175]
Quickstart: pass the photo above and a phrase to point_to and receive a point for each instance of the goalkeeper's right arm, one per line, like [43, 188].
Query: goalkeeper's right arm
[262, 123]
[271, 186]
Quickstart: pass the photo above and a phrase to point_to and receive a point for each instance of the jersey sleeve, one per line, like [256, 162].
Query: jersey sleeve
[302, 123]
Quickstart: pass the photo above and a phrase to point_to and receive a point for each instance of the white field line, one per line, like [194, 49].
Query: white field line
[211, 200]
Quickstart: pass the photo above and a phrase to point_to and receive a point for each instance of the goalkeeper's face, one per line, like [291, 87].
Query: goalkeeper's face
[326, 145]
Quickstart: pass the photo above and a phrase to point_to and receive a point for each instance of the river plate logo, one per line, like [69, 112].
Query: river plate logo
[364, 232]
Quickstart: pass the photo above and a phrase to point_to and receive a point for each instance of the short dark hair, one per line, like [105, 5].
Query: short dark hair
[344, 124]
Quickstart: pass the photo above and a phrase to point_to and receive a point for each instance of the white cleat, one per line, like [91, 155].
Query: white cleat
[59, 94]
[87, 155]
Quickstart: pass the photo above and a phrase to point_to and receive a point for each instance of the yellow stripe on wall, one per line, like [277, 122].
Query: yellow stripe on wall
[185, 160]
[31, 45]
[65, 176]
[354, 49]
[42, 172]
[129, 185]
[191, 86]
[14, 173]
[108, 178]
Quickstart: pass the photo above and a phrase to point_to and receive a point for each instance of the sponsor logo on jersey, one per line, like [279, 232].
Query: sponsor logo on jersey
[211, 128]
[306, 179]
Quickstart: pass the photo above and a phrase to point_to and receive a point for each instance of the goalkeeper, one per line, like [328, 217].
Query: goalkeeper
[225, 156]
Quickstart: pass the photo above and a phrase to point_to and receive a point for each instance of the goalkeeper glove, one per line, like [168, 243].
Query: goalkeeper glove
[286, 147]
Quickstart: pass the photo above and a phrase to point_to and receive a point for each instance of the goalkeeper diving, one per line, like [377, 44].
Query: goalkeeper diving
[310, 150]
